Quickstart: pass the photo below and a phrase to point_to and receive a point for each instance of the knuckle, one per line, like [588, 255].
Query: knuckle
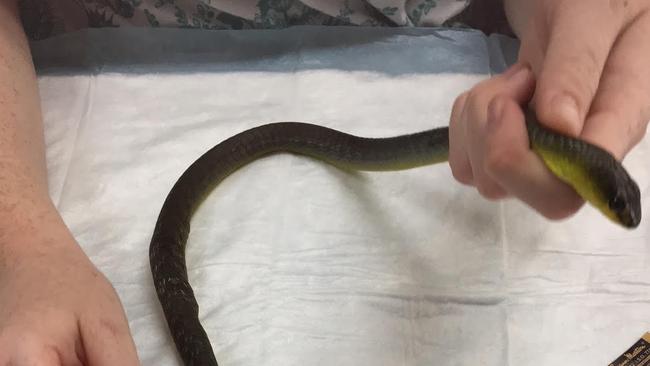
[48, 356]
[484, 85]
[475, 112]
[490, 191]
[503, 160]
[459, 106]
[33, 350]
[110, 327]
[481, 94]
[460, 101]
[461, 172]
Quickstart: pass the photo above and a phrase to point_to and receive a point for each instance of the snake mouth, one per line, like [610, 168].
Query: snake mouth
[630, 218]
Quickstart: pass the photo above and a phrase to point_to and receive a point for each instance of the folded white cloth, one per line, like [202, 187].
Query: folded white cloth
[297, 263]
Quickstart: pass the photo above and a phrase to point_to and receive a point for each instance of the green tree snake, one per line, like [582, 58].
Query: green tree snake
[595, 175]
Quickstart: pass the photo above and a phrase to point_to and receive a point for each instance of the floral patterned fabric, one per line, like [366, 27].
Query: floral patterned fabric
[45, 18]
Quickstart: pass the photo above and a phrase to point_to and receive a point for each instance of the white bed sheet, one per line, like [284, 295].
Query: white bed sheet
[298, 263]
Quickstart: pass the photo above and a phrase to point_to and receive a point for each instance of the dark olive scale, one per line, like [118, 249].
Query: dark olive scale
[167, 248]
[608, 175]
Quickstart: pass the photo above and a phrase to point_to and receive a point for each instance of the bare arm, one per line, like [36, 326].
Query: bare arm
[56, 308]
[23, 183]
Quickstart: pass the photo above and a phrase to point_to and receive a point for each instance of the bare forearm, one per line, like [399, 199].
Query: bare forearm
[23, 182]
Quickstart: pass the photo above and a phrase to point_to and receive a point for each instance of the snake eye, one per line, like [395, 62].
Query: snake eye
[617, 203]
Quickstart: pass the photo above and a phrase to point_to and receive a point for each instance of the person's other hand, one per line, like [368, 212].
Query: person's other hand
[56, 308]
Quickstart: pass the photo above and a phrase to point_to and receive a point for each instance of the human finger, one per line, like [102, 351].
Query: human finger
[516, 84]
[621, 109]
[574, 58]
[511, 163]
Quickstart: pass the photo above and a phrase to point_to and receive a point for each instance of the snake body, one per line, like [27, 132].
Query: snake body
[593, 173]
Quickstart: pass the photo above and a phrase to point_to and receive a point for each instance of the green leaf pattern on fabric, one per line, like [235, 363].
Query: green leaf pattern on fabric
[38, 18]
[45, 18]
[389, 10]
[151, 18]
[422, 9]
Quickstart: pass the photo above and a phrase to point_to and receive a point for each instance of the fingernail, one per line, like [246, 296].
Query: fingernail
[566, 108]
[495, 115]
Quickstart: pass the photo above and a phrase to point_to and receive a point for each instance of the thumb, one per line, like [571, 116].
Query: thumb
[573, 63]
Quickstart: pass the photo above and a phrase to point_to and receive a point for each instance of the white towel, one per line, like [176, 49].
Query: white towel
[297, 263]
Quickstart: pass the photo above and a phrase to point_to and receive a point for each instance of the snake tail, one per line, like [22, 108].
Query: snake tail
[594, 174]
[167, 248]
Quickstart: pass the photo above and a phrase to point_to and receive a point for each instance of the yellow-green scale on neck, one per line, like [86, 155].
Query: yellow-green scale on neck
[592, 172]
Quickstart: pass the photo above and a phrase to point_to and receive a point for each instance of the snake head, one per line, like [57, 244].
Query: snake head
[615, 194]
[593, 172]
[624, 200]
